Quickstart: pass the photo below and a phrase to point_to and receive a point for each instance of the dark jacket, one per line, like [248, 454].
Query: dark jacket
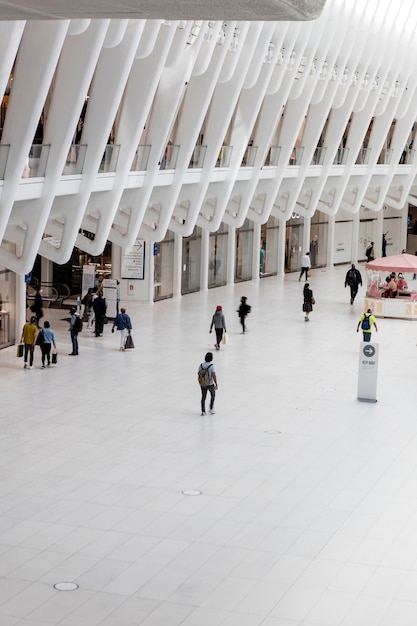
[100, 306]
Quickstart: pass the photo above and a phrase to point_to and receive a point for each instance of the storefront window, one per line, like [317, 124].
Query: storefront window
[269, 248]
[191, 261]
[294, 243]
[318, 243]
[7, 307]
[218, 257]
[164, 268]
[244, 250]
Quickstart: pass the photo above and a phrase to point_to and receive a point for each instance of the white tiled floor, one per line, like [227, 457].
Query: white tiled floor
[308, 511]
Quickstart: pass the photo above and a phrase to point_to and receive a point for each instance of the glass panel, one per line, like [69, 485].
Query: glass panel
[272, 157]
[244, 251]
[341, 156]
[296, 156]
[218, 257]
[170, 157]
[225, 154]
[268, 257]
[385, 157]
[4, 153]
[191, 261]
[75, 159]
[109, 160]
[363, 156]
[164, 268]
[141, 158]
[318, 243]
[37, 160]
[293, 244]
[198, 156]
[249, 156]
[318, 156]
[7, 307]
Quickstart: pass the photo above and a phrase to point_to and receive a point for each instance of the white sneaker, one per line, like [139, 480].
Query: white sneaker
[212, 412]
[202, 413]
[31, 367]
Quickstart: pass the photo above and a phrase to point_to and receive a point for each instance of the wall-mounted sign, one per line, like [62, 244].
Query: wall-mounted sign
[133, 261]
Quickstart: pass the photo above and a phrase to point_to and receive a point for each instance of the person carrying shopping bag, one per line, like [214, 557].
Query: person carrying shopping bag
[123, 324]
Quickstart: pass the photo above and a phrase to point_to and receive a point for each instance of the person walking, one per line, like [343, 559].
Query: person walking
[370, 252]
[366, 321]
[100, 308]
[29, 335]
[305, 265]
[75, 327]
[219, 323]
[207, 378]
[123, 324]
[243, 311]
[47, 343]
[37, 306]
[353, 279]
[308, 301]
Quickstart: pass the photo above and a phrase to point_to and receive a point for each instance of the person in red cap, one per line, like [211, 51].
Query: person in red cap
[219, 324]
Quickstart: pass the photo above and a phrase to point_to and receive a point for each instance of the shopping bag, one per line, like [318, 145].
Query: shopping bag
[309, 273]
[225, 338]
[19, 350]
[54, 358]
[129, 344]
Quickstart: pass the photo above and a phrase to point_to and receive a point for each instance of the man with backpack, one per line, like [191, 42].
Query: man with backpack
[353, 279]
[208, 382]
[76, 326]
[366, 321]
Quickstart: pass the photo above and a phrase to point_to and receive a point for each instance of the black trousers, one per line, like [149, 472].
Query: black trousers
[353, 291]
[204, 391]
[219, 335]
[46, 352]
[304, 269]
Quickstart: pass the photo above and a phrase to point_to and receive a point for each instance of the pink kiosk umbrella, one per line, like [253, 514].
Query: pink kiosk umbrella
[405, 263]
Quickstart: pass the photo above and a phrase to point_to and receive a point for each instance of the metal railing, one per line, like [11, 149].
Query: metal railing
[75, 159]
[141, 158]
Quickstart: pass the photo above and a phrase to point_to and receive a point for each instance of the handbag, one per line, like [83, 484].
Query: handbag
[225, 338]
[54, 358]
[19, 352]
[313, 301]
[309, 272]
[129, 344]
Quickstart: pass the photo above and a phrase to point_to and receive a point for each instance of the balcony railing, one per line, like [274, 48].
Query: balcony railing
[37, 161]
[318, 156]
[109, 160]
[407, 157]
[75, 159]
[169, 158]
[249, 156]
[141, 158]
[363, 156]
[272, 157]
[197, 157]
[341, 156]
[4, 155]
[385, 157]
[225, 154]
[296, 156]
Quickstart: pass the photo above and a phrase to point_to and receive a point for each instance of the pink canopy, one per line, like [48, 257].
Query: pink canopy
[396, 263]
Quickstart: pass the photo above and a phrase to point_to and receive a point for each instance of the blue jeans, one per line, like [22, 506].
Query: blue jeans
[366, 335]
[74, 339]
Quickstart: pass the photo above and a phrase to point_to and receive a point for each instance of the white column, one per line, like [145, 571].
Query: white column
[354, 256]
[177, 273]
[231, 255]
[404, 227]
[46, 270]
[306, 234]
[256, 249]
[116, 261]
[379, 231]
[20, 305]
[282, 231]
[204, 265]
[330, 241]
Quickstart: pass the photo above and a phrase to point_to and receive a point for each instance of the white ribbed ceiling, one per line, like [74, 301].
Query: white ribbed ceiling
[263, 118]
[162, 9]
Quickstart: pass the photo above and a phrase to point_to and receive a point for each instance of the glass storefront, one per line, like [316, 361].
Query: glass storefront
[244, 251]
[294, 243]
[7, 307]
[269, 248]
[218, 257]
[191, 262]
[164, 268]
[318, 243]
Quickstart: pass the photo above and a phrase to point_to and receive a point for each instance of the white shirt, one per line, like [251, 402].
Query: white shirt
[305, 261]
